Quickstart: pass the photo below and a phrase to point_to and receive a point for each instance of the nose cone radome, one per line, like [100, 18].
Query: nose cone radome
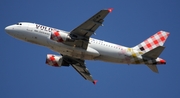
[8, 29]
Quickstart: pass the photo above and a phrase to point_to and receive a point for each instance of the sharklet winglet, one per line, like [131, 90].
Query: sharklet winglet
[94, 82]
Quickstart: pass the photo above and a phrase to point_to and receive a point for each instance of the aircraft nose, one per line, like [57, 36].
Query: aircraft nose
[8, 29]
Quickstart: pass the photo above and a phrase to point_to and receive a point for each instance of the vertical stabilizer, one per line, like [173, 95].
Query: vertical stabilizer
[154, 41]
[152, 48]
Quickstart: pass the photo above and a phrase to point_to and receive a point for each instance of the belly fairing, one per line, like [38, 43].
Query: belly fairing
[74, 52]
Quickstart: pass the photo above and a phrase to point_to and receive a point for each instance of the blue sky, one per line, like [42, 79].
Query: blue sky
[24, 74]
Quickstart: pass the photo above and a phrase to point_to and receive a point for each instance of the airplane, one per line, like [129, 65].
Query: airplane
[77, 45]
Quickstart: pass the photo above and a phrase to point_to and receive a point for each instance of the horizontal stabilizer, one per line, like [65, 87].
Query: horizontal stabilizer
[154, 53]
[153, 68]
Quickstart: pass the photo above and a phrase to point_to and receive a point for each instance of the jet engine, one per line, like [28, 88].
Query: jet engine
[54, 60]
[60, 36]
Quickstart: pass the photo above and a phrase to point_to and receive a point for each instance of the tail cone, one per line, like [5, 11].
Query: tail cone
[162, 61]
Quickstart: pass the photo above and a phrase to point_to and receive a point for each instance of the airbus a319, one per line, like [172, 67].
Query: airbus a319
[77, 45]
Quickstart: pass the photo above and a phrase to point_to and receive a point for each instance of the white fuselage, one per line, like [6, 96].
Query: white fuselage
[96, 50]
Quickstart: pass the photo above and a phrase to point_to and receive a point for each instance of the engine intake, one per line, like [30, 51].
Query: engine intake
[54, 60]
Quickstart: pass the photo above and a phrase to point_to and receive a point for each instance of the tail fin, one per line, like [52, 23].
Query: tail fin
[154, 41]
[152, 47]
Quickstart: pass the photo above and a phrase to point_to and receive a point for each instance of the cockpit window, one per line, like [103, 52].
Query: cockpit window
[19, 24]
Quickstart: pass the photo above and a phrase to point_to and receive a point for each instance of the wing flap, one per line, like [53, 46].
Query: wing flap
[82, 33]
[79, 66]
[83, 71]
[87, 28]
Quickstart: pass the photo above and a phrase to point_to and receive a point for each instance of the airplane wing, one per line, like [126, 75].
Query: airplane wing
[82, 33]
[79, 66]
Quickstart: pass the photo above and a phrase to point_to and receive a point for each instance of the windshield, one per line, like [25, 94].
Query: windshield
[19, 23]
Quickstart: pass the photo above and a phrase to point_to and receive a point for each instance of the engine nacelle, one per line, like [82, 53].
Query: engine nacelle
[60, 36]
[54, 60]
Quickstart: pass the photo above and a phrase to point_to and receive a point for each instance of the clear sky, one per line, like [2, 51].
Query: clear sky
[24, 74]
